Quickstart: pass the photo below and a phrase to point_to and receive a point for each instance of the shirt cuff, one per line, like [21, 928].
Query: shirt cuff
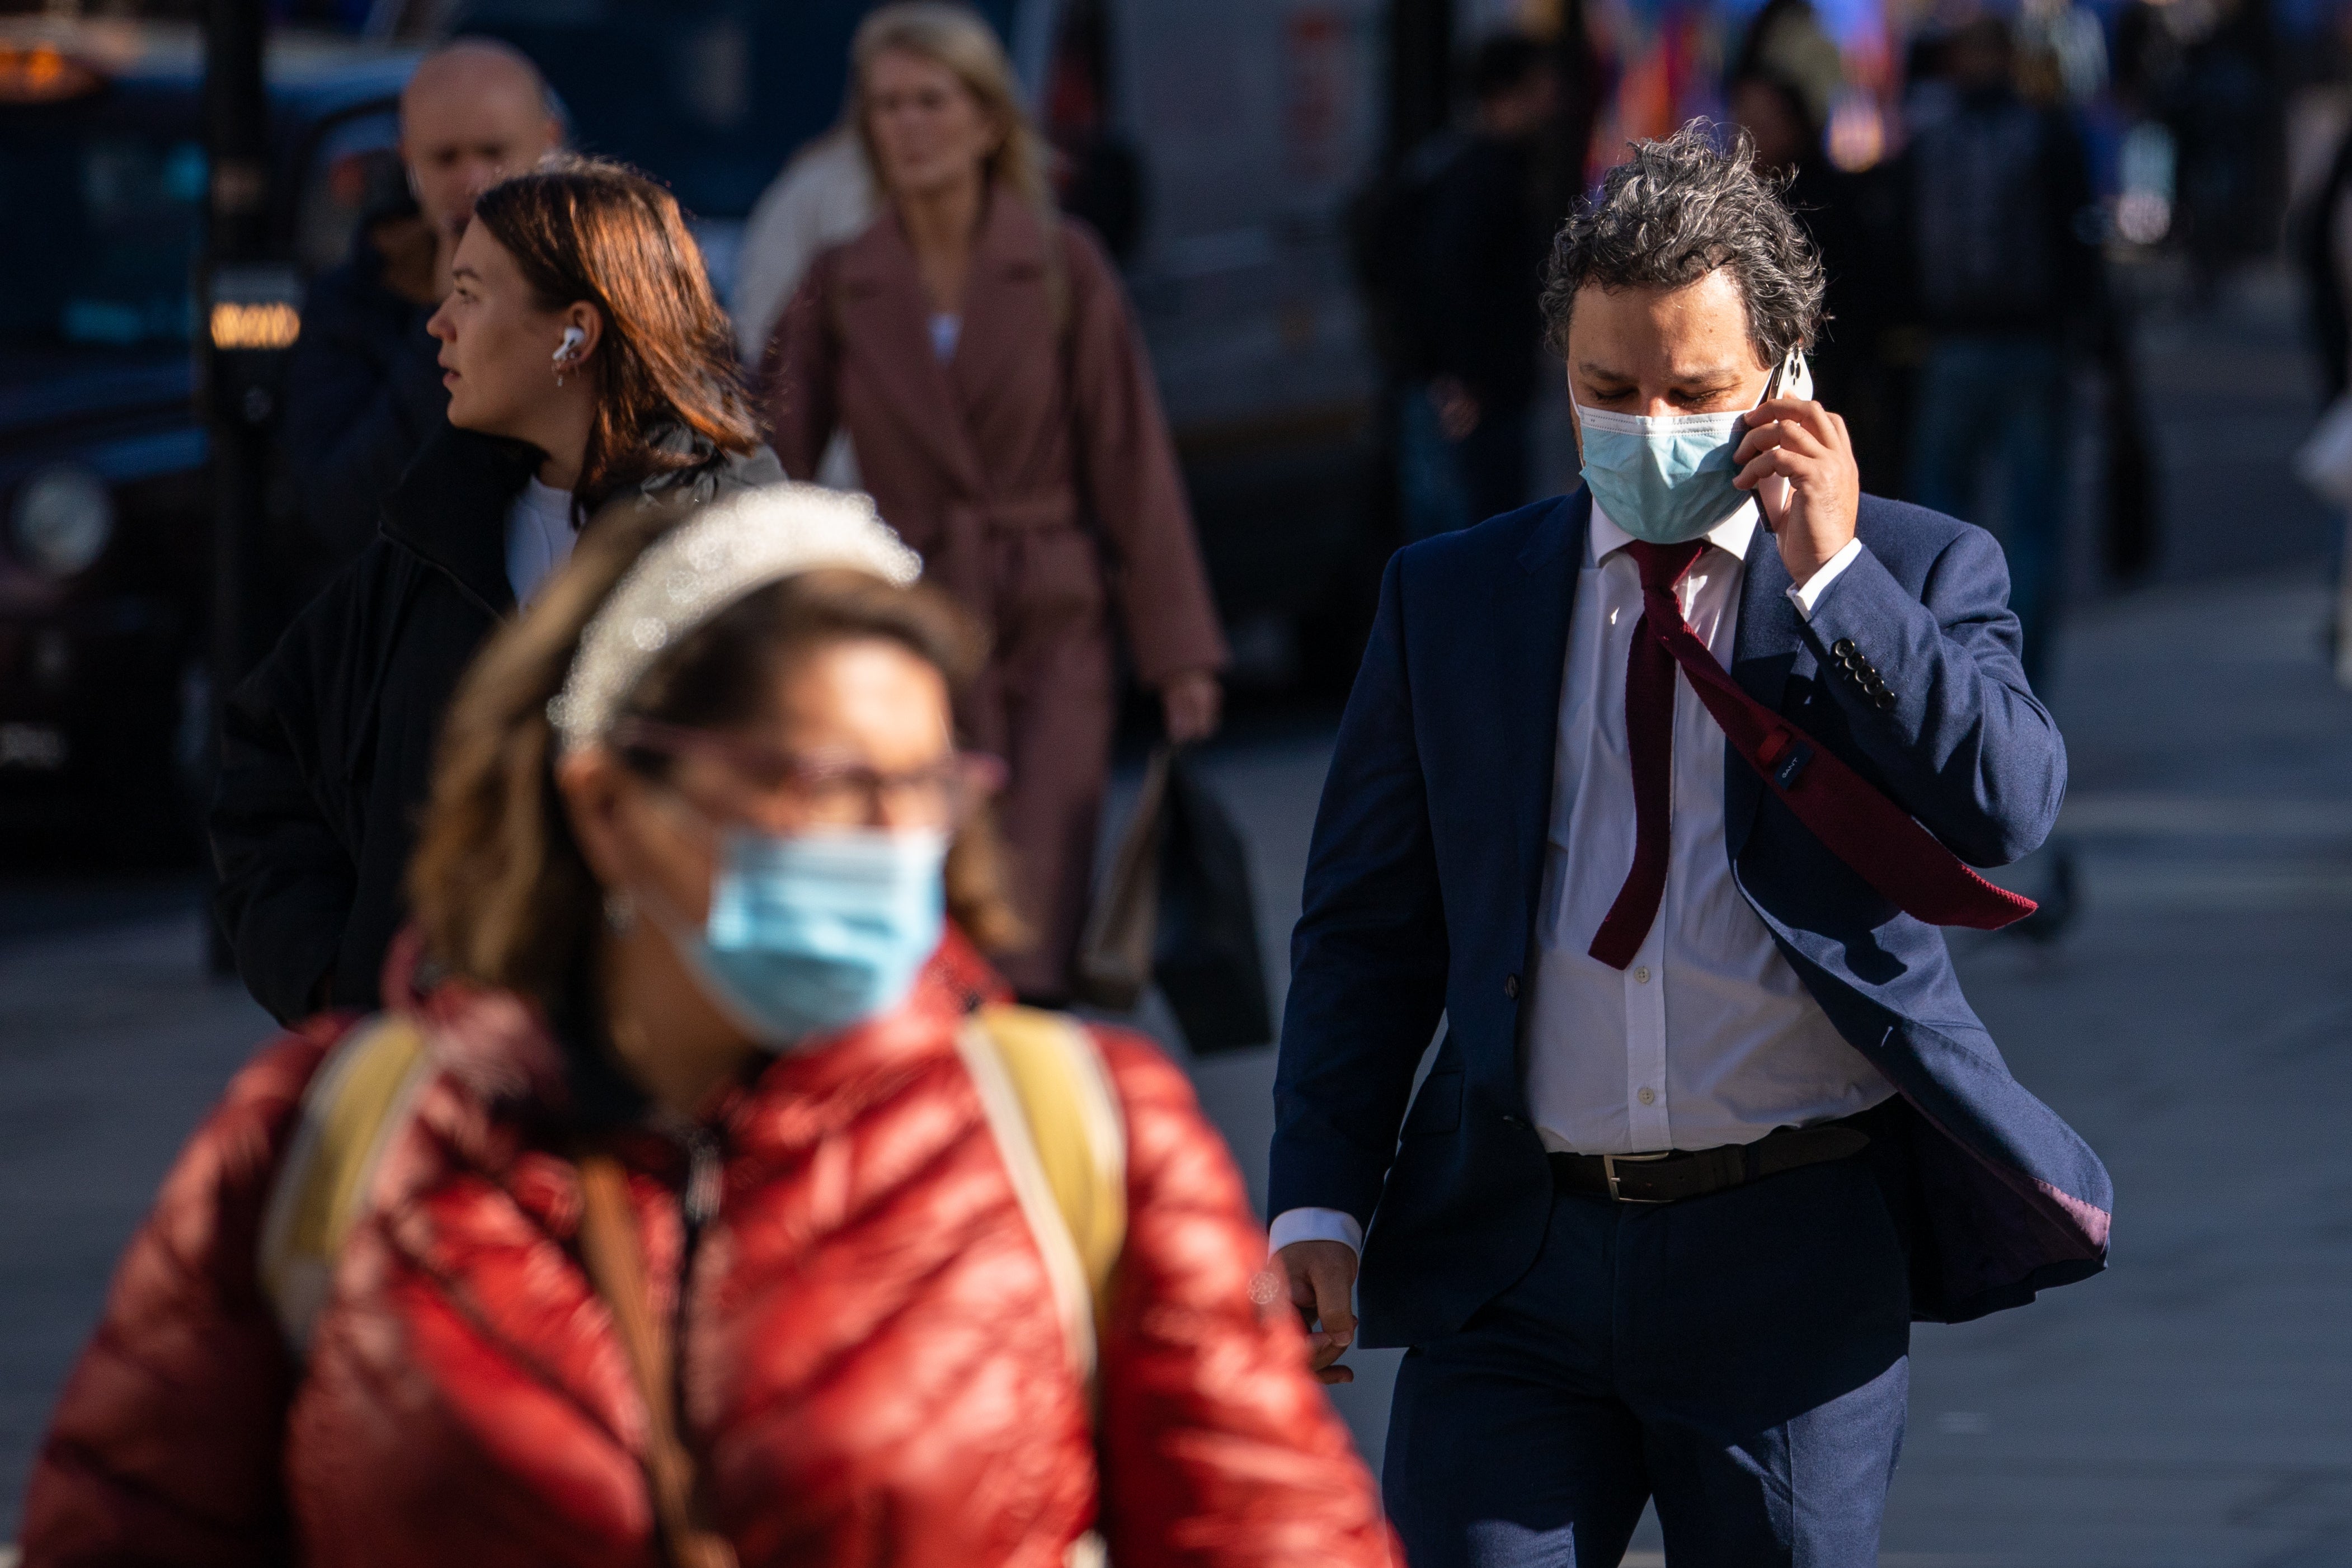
[1806, 597]
[1314, 1225]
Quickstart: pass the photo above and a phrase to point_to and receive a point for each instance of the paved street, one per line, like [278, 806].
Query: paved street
[2192, 1407]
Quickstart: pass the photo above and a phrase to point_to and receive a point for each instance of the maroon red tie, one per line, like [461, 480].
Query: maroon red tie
[1878, 838]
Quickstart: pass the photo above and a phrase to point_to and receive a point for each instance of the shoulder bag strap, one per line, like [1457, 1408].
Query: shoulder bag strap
[616, 1263]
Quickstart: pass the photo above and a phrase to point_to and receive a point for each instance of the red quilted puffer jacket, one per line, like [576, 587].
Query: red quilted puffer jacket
[871, 1366]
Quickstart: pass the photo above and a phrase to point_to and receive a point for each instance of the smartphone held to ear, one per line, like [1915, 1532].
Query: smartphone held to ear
[1792, 377]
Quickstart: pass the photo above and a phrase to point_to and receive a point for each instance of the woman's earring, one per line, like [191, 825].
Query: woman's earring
[620, 913]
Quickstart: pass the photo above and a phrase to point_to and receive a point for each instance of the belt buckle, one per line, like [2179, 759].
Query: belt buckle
[1609, 1164]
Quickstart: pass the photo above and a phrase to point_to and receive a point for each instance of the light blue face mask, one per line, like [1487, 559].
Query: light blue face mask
[811, 933]
[1669, 479]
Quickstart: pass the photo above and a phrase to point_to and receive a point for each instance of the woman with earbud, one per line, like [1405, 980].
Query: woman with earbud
[586, 360]
[695, 1217]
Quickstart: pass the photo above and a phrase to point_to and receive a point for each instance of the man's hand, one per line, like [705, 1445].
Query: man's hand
[1191, 703]
[1322, 1279]
[1458, 413]
[1811, 514]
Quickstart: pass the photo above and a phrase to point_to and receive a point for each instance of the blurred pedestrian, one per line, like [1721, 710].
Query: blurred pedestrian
[978, 349]
[363, 391]
[700, 1219]
[824, 196]
[2228, 114]
[1851, 218]
[2008, 286]
[1481, 267]
[1786, 43]
[587, 359]
[1655, 797]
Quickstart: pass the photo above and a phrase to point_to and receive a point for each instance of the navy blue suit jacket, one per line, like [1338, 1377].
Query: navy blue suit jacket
[1428, 846]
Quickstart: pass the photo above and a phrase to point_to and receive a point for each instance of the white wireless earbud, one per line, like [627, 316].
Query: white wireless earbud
[572, 337]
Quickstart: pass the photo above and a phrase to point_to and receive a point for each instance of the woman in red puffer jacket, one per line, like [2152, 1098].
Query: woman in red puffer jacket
[695, 1245]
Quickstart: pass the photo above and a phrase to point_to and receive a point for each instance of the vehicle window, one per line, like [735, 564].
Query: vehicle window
[354, 172]
[119, 208]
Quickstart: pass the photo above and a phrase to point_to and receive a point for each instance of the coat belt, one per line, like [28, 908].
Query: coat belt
[960, 557]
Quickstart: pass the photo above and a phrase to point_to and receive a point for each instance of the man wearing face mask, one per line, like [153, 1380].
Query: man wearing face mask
[364, 388]
[1657, 795]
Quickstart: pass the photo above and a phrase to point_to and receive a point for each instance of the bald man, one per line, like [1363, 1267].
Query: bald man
[364, 388]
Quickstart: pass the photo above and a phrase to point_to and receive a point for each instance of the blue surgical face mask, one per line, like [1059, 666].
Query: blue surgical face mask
[1669, 479]
[811, 933]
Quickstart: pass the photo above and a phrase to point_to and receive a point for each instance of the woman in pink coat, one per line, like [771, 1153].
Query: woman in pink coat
[978, 350]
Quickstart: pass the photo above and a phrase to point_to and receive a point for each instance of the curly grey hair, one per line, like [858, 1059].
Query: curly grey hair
[1677, 211]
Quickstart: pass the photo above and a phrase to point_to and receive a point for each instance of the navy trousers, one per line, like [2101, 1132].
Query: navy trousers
[1743, 1358]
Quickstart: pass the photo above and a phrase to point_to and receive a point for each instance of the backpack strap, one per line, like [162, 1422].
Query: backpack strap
[356, 1102]
[1058, 1124]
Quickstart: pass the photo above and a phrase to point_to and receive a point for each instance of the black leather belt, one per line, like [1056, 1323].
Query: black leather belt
[1676, 1174]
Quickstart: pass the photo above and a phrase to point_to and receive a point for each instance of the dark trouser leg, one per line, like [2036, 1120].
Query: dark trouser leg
[1506, 1446]
[1952, 434]
[1765, 1350]
[2034, 440]
[1743, 1357]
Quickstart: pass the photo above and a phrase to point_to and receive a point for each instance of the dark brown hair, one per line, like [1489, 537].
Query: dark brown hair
[500, 887]
[582, 229]
[1676, 210]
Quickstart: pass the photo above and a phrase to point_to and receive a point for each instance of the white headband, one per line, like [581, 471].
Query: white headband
[730, 550]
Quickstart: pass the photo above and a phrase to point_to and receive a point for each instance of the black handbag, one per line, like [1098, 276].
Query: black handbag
[1206, 957]
[1178, 910]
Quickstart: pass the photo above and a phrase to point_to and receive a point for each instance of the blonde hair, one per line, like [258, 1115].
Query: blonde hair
[958, 40]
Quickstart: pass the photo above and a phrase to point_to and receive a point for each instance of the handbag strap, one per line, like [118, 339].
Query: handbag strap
[615, 1264]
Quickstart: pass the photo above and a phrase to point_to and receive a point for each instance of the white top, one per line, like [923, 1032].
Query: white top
[1707, 1038]
[539, 537]
[824, 195]
[947, 327]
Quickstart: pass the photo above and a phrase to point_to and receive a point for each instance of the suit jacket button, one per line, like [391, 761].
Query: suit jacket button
[1842, 648]
[1511, 987]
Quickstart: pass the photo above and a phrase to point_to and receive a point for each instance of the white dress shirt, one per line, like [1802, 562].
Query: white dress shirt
[1707, 1038]
[539, 537]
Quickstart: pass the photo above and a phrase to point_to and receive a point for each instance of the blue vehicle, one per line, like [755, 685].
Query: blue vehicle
[105, 515]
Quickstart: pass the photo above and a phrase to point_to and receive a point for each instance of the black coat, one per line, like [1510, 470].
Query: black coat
[326, 751]
[363, 394]
[1486, 245]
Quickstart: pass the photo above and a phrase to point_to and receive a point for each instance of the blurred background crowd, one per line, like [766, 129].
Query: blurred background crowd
[2090, 276]
[1331, 217]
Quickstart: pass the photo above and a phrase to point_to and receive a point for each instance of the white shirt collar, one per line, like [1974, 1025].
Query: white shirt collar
[1733, 533]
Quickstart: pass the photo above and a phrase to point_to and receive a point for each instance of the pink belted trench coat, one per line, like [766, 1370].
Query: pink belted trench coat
[1033, 470]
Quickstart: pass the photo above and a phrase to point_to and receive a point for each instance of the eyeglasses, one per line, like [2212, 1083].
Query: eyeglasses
[832, 790]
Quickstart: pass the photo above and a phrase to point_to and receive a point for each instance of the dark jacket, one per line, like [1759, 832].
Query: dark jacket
[363, 394]
[1997, 192]
[327, 748]
[1420, 904]
[1483, 266]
